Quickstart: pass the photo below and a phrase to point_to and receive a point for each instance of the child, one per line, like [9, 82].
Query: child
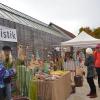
[8, 63]
[4, 75]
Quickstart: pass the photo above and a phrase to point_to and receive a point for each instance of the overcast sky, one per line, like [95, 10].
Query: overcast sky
[68, 14]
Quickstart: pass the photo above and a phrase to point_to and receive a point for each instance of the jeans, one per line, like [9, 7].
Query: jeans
[8, 91]
[91, 85]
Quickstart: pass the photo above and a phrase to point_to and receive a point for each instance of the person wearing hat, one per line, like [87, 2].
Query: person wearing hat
[97, 62]
[89, 62]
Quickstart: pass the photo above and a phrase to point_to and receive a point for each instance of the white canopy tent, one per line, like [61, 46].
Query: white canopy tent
[82, 40]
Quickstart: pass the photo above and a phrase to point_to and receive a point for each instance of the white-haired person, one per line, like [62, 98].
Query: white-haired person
[89, 62]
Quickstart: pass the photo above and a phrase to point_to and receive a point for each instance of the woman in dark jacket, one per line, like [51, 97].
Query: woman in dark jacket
[89, 62]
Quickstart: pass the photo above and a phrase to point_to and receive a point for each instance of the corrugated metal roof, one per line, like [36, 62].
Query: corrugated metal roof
[18, 13]
[62, 30]
[21, 18]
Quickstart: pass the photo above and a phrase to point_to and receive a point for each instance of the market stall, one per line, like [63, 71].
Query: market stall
[53, 86]
[81, 40]
[57, 89]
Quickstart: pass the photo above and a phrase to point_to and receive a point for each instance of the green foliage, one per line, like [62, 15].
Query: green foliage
[80, 30]
[85, 29]
[95, 33]
[19, 62]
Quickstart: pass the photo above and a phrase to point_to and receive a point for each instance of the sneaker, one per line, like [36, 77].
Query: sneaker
[93, 96]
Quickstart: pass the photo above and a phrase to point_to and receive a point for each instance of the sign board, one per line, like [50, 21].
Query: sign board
[8, 34]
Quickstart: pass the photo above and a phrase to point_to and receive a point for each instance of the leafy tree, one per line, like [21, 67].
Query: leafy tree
[80, 30]
[95, 33]
[85, 29]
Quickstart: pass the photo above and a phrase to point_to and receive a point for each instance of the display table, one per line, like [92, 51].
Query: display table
[58, 89]
[36, 89]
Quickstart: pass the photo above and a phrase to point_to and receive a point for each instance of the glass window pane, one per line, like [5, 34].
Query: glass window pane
[7, 13]
[1, 15]
[5, 16]
[11, 15]
[22, 21]
[17, 18]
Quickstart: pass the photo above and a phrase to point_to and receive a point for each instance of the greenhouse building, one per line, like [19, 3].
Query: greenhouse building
[17, 28]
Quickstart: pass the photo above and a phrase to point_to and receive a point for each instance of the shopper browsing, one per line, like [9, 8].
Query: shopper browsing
[89, 62]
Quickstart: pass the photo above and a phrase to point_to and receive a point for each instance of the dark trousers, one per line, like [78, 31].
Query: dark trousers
[98, 73]
[2, 93]
[91, 85]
